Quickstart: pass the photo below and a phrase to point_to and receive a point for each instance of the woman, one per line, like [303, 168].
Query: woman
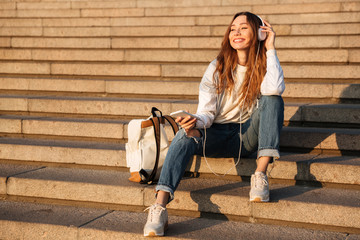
[240, 91]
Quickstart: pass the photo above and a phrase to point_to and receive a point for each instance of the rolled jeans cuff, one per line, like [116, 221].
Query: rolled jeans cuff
[274, 153]
[165, 188]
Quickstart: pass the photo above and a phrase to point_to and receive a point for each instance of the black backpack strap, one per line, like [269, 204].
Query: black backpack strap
[154, 110]
[156, 126]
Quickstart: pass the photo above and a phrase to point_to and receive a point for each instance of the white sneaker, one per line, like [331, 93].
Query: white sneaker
[157, 221]
[259, 188]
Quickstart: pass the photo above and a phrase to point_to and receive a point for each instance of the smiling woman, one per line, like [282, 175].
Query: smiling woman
[240, 111]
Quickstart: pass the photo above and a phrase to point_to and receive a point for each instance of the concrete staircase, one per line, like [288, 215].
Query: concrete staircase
[73, 73]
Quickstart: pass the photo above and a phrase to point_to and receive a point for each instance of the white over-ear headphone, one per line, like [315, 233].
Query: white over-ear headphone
[261, 35]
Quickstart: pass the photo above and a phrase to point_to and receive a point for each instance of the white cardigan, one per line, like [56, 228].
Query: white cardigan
[211, 104]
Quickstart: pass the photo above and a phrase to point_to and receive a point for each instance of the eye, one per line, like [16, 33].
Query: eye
[244, 28]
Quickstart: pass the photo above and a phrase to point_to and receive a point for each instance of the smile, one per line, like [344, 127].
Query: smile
[238, 40]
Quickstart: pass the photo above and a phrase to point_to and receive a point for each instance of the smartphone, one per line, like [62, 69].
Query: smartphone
[183, 114]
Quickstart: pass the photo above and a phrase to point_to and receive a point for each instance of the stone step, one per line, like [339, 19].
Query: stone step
[129, 107]
[178, 56]
[167, 70]
[67, 222]
[282, 42]
[91, 8]
[175, 31]
[139, 20]
[317, 169]
[326, 207]
[320, 139]
[259, 9]
[329, 91]
[290, 71]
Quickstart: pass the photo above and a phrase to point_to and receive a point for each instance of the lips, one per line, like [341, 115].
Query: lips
[238, 40]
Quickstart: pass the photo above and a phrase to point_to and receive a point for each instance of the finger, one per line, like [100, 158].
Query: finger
[178, 119]
[188, 128]
[185, 120]
[267, 23]
[188, 123]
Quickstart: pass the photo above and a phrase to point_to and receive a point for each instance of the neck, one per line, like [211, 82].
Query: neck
[242, 56]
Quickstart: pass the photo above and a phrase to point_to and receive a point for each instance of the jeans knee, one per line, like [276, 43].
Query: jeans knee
[272, 101]
[182, 139]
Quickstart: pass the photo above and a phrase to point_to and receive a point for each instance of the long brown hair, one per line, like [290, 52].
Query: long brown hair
[227, 61]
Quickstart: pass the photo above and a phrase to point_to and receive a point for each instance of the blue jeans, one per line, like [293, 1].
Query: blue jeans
[261, 133]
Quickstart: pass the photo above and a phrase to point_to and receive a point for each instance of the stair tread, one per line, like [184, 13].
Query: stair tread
[112, 187]
[68, 222]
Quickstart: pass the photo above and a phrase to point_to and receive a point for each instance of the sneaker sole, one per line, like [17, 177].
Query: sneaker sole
[153, 234]
[257, 199]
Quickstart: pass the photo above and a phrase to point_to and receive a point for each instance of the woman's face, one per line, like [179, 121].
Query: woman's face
[240, 33]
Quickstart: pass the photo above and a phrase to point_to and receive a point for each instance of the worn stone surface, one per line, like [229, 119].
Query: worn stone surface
[10, 125]
[130, 43]
[320, 138]
[153, 87]
[112, 12]
[349, 41]
[8, 170]
[76, 22]
[325, 29]
[64, 222]
[153, 21]
[48, 13]
[114, 226]
[44, 42]
[296, 8]
[105, 69]
[24, 68]
[292, 203]
[208, 195]
[161, 31]
[97, 106]
[66, 152]
[20, 22]
[349, 91]
[340, 113]
[78, 55]
[184, 70]
[354, 56]
[299, 42]
[74, 128]
[43, 5]
[323, 71]
[194, 11]
[171, 55]
[13, 103]
[200, 42]
[77, 185]
[76, 32]
[43, 221]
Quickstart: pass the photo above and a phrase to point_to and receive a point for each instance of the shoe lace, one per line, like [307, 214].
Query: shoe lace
[260, 181]
[154, 212]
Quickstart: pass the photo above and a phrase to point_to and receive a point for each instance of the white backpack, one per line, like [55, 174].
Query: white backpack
[147, 146]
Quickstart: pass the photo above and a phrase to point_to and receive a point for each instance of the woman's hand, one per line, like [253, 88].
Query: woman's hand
[270, 39]
[187, 123]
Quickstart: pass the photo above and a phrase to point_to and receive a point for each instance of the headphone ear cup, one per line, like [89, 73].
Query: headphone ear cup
[261, 35]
